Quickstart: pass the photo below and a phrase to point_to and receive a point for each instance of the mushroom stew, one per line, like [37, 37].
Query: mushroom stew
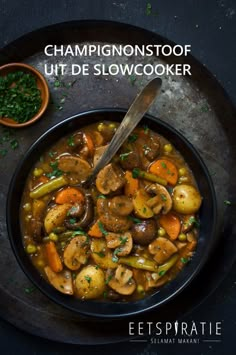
[128, 234]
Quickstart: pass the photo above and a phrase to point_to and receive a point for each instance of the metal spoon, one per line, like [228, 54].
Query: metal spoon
[136, 111]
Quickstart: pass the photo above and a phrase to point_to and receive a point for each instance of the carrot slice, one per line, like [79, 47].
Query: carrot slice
[89, 142]
[53, 257]
[131, 185]
[166, 170]
[95, 231]
[69, 195]
[171, 224]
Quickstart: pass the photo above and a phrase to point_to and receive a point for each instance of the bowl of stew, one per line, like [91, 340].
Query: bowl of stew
[133, 239]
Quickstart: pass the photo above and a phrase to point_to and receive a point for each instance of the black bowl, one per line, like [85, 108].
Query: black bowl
[208, 215]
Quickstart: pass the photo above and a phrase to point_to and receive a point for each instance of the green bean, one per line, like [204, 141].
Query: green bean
[48, 187]
[168, 265]
[65, 235]
[138, 262]
[137, 173]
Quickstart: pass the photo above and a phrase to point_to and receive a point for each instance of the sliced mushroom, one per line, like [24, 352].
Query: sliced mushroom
[129, 157]
[97, 138]
[116, 224]
[144, 232]
[155, 280]
[75, 252]
[102, 206]
[78, 141]
[61, 281]
[76, 210]
[152, 146]
[162, 201]
[123, 243]
[71, 164]
[162, 249]
[121, 205]
[109, 179]
[122, 282]
[98, 153]
[86, 218]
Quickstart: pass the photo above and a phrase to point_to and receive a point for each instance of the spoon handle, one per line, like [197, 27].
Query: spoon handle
[136, 111]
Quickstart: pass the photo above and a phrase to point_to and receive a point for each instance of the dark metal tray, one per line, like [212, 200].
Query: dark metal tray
[197, 106]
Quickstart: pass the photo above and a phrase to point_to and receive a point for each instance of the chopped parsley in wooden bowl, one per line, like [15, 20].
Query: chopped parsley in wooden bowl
[24, 95]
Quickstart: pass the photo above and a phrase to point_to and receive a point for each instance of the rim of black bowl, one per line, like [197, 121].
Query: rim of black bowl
[108, 309]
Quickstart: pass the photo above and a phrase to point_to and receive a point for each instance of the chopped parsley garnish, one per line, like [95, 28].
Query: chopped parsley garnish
[163, 165]
[102, 229]
[105, 294]
[57, 83]
[148, 9]
[124, 156]
[184, 260]
[88, 278]
[80, 232]
[52, 154]
[163, 197]
[115, 258]
[7, 137]
[56, 172]
[29, 290]
[132, 138]
[108, 279]
[146, 129]
[161, 273]
[132, 79]
[227, 202]
[72, 220]
[20, 98]
[135, 173]
[123, 240]
[70, 141]
[100, 254]
[101, 196]
[54, 164]
[3, 152]
[193, 220]
[14, 144]
[134, 219]
[205, 108]
[70, 84]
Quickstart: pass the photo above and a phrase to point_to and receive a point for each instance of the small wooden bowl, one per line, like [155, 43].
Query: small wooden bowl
[41, 84]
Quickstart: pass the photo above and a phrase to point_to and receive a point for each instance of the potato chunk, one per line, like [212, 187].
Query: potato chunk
[90, 282]
[56, 216]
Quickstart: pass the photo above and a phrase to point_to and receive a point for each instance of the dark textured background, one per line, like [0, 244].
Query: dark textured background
[210, 27]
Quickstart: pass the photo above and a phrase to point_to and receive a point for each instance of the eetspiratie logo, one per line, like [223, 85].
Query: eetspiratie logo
[175, 332]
